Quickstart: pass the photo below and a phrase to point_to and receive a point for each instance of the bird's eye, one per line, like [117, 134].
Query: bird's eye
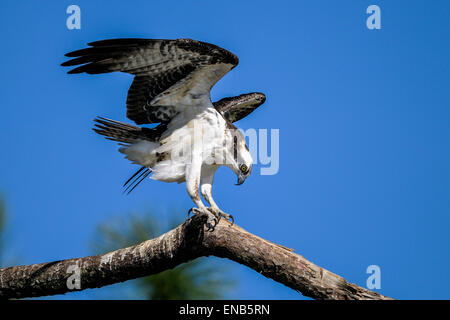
[244, 168]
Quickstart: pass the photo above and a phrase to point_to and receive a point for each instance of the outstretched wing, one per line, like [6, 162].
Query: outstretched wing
[236, 108]
[169, 74]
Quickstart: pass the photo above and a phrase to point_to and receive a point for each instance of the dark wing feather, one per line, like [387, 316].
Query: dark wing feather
[164, 70]
[236, 108]
[136, 179]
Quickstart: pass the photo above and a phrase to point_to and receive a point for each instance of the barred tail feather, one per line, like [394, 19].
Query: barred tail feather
[137, 145]
[122, 132]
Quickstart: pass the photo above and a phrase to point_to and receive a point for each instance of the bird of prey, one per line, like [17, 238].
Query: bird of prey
[171, 88]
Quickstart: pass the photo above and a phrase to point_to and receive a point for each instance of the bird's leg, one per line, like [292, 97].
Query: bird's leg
[206, 190]
[192, 187]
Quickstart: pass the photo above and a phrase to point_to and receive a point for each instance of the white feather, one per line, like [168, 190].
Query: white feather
[142, 152]
[176, 143]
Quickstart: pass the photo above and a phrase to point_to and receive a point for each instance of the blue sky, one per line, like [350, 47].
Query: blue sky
[363, 119]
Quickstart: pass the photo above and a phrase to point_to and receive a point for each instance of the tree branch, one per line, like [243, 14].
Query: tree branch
[186, 242]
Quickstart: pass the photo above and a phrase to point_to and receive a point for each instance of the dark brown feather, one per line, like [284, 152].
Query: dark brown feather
[136, 179]
[158, 65]
[235, 108]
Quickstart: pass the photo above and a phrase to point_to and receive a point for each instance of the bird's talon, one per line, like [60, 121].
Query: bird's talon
[210, 227]
[227, 216]
[194, 211]
[211, 223]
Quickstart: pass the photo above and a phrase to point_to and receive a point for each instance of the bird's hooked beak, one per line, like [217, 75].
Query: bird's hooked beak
[241, 179]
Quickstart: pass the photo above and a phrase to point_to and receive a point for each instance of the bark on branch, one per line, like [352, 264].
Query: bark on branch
[186, 242]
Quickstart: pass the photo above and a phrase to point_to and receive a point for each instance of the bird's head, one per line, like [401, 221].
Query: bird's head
[241, 161]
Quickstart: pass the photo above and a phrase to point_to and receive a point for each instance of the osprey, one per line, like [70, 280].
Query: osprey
[171, 88]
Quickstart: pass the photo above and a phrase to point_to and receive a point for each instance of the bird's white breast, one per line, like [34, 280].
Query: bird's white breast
[191, 135]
